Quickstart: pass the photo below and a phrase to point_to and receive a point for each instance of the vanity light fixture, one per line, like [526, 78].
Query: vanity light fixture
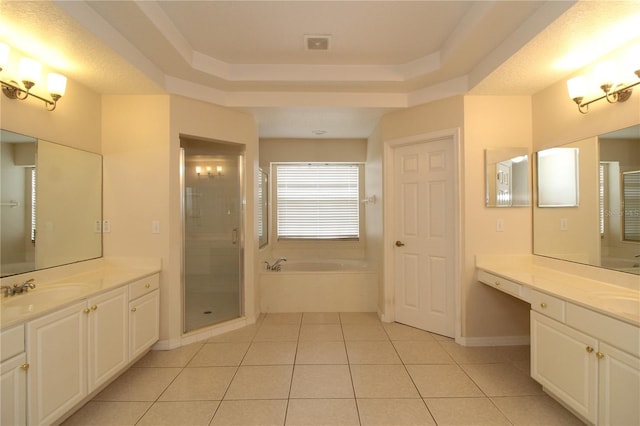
[605, 75]
[208, 171]
[29, 74]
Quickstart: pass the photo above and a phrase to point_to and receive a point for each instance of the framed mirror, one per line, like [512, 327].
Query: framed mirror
[603, 229]
[51, 199]
[507, 177]
[263, 208]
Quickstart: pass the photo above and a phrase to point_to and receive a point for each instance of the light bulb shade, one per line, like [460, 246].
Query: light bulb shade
[577, 87]
[605, 73]
[219, 169]
[29, 70]
[633, 60]
[4, 55]
[198, 169]
[56, 84]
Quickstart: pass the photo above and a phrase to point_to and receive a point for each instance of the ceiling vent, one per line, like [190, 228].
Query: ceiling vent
[317, 42]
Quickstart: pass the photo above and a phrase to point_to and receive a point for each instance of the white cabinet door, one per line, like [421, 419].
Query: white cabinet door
[564, 361]
[13, 391]
[56, 353]
[144, 317]
[619, 397]
[108, 336]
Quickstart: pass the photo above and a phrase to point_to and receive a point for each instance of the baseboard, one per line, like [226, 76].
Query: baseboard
[494, 341]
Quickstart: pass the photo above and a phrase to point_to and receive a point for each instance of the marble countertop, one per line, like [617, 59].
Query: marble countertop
[612, 299]
[49, 296]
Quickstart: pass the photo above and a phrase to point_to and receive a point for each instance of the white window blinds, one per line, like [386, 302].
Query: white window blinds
[631, 200]
[317, 201]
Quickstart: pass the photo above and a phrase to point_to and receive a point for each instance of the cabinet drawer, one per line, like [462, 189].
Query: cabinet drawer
[143, 286]
[12, 342]
[548, 305]
[500, 283]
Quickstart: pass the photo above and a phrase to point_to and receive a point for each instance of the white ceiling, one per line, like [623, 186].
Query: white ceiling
[383, 55]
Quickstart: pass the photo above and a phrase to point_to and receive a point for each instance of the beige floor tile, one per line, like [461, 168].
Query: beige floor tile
[364, 332]
[139, 384]
[394, 412]
[422, 352]
[261, 382]
[321, 353]
[382, 381]
[321, 332]
[178, 357]
[502, 380]
[220, 354]
[244, 334]
[199, 384]
[322, 412]
[284, 318]
[182, 413]
[108, 413]
[321, 381]
[398, 331]
[535, 410]
[443, 380]
[251, 413]
[320, 318]
[475, 354]
[372, 352]
[465, 412]
[368, 318]
[277, 333]
[270, 353]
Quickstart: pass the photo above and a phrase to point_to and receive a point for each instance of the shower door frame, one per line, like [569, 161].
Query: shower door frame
[241, 154]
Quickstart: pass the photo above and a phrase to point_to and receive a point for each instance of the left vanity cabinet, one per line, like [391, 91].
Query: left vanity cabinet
[73, 351]
[13, 377]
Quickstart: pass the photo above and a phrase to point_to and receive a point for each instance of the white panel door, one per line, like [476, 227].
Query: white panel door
[424, 212]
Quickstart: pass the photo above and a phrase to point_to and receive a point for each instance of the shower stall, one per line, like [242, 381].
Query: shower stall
[212, 243]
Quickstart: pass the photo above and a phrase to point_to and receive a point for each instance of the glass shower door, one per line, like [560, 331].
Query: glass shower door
[212, 237]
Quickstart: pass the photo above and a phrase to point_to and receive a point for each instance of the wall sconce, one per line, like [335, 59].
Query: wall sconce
[208, 171]
[29, 74]
[605, 75]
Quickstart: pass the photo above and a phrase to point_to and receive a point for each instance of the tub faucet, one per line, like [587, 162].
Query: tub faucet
[275, 266]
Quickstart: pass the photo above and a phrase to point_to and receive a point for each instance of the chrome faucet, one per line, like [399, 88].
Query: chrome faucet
[275, 266]
[19, 288]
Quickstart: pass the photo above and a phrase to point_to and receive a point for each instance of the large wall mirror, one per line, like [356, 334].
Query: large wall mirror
[604, 228]
[507, 177]
[51, 201]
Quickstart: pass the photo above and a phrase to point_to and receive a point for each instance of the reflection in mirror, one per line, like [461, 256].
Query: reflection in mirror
[558, 177]
[507, 177]
[263, 208]
[604, 230]
[51, 204]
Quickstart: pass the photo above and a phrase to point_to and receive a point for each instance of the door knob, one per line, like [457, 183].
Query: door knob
[399, 244]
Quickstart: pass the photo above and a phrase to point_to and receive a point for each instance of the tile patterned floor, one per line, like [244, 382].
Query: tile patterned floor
[326, 369]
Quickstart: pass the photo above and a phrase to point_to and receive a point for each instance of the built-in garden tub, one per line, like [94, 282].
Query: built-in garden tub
[334, 285]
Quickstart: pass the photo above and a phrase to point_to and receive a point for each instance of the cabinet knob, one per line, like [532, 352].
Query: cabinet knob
[86, 310]
[94, 307]
[543, 305]
[589, 349]
[599, 355]
[147, 285]
[497, 283]
[25, 366]
[133, 309]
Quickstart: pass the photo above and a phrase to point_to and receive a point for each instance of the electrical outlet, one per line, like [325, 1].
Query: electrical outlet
[106, 226]
[500, 225]
[98, 227]
[155, 226]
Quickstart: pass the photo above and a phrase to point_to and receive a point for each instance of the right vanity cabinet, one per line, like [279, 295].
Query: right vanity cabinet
[588, 360]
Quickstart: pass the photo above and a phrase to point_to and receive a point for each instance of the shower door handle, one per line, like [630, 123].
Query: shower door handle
[234, 236]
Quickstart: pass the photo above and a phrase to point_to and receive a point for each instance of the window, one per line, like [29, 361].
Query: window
[33, 205]
[317, 201]
[631, 203]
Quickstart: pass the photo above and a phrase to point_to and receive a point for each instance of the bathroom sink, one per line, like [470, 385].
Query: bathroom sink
[45, 295]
